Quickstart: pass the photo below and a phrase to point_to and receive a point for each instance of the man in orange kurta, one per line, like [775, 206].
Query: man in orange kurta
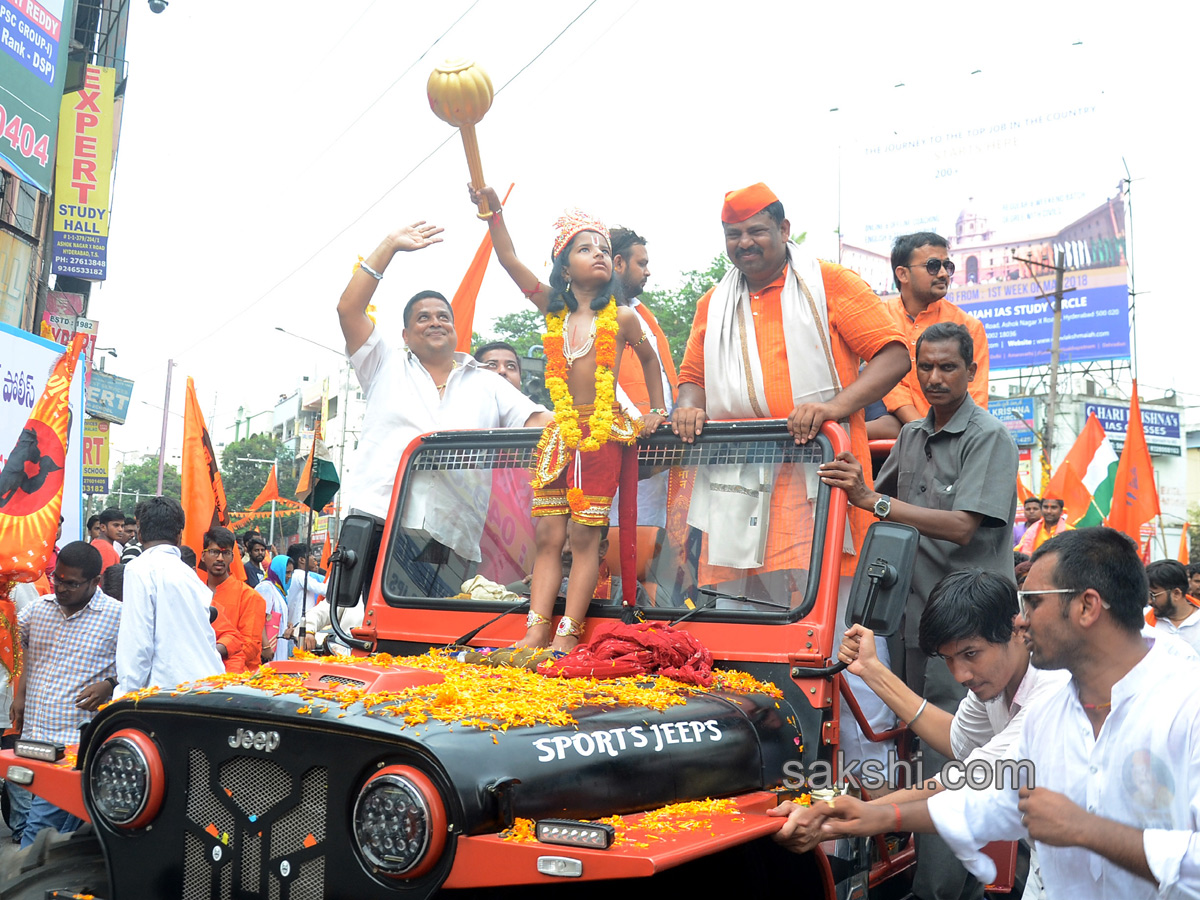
[922, 302]
[245, 608]
[859, 328]
[631, 264]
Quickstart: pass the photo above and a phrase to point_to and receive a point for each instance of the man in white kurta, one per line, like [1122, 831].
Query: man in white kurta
[1115, 806]
[426, 387]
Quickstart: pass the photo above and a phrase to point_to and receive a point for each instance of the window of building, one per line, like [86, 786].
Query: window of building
[333, 407]
[25, 196]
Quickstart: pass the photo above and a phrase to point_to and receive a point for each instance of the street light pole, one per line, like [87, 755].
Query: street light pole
[162, 444]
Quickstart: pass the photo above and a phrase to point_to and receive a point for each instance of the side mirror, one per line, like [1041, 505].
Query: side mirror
[885, 566]
[357, 542]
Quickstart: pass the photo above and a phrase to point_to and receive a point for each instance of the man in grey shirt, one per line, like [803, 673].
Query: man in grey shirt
[953, 476]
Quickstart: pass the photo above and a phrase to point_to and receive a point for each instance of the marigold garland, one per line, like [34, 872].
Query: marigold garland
[565, 414]
[485, 698]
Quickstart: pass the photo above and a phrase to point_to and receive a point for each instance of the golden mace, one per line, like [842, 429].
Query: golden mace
[460, 92]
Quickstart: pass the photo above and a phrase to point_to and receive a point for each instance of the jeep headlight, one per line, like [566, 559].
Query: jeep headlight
[399, 822]
[126, 779]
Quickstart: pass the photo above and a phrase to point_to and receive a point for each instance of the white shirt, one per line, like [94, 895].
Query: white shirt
[1142, 770]
[165, 637]
[317, 619]
[1188, 630]
[403, 403]
[295, 598]
[986, 729]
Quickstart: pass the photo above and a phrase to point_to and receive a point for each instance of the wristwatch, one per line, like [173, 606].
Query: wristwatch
[882, 507]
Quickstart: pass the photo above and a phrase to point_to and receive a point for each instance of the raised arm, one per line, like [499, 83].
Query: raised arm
[929, 722]
[352, 307]
[530, 285]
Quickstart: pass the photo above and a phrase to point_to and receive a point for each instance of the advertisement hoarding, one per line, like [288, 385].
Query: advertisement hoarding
[108, 397]
[95, 456]
[33, 67]
[1162, 427]
[1018, 417]
[84, 173]
[1011, 190]
[26, 362]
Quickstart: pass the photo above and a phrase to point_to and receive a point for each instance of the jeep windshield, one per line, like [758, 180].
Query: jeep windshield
[730, 527]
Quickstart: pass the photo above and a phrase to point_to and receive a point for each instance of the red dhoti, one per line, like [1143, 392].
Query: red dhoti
[558, 469]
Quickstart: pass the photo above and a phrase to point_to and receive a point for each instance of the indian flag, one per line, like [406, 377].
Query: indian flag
[1090, 467]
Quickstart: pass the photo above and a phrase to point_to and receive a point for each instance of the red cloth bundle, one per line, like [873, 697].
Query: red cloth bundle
[644, 648]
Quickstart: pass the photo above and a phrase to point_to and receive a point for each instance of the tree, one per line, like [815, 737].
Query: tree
[244, 478]
[675, 309]
[521, 329]
[140, 480]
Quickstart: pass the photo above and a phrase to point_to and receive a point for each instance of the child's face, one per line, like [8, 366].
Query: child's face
[590, 260]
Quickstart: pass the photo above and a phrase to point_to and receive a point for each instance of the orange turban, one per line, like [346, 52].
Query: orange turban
[741, 205]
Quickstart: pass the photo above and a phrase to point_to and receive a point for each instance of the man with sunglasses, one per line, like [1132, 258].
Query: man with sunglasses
[243, 606]
[1116, 752]
[923, 272]
[1173, 610]
[69, 643]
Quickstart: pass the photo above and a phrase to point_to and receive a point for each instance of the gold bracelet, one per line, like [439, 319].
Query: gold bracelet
[488, 215]
[568, 627]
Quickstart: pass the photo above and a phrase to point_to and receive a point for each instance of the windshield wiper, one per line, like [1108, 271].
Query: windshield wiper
[516, 607]
[714, 596]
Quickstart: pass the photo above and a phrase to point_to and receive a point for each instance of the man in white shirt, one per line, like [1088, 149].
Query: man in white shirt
[1172, 607]
[428, 387]
[1116, 753]
[165, 637]
[306, 589]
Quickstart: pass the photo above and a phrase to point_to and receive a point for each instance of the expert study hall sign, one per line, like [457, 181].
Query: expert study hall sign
[83, 176]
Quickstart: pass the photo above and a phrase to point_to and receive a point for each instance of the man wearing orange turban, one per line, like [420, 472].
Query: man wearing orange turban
[812, 323]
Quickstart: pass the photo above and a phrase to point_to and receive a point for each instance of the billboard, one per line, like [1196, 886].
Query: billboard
[1010, 192]
[1163, 427]
[84, 174]
[1017, 415]
[95, 456]
[108, 397]
[25, 366]
[33, 66]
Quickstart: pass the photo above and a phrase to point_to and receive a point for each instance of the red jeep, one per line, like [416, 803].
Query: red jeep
[317, 778]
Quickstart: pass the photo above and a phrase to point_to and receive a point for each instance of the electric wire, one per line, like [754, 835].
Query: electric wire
[263, 296]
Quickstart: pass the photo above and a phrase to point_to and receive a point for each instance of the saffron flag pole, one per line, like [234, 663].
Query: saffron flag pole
[463, 304]
[1135, 497]
[31, 496]
[1183, 544]
[203, 493]
[318, 484]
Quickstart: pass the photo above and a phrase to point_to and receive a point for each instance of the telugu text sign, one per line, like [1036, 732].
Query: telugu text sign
[84, 172]
[96, 446]
[32, 70]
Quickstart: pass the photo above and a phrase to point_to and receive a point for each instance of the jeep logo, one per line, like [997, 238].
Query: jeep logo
[254, 740]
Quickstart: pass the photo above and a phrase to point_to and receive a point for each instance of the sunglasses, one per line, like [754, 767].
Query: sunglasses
[933, 266]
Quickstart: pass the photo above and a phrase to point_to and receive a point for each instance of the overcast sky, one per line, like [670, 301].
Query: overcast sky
[265, 145]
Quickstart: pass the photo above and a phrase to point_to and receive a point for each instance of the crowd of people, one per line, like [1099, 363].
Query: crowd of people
[129, 609]
[1074, 671]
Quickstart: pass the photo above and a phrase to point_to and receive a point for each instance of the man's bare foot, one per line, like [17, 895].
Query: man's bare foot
[535, 636]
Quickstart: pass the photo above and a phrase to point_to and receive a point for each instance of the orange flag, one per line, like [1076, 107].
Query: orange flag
[269, 492]
[1135, 498]
[1066, 484]
[1023, 493]
[31, 495]
[463, 303]
[203, 494]
[326, 553]
[1183, 547]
